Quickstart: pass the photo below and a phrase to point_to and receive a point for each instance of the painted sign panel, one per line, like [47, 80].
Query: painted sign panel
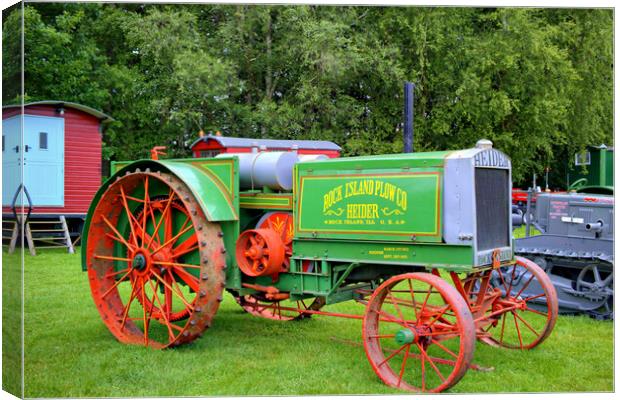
[491, 158]
[395, 206]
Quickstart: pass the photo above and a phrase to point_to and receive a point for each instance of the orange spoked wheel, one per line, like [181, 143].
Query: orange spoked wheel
[260, 252]
[418, 333]
[525, 306]
[155, 264]
[281, 223]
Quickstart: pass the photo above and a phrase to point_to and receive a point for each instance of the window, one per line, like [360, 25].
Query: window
[582, 158]
[209, 153]
[43, 140]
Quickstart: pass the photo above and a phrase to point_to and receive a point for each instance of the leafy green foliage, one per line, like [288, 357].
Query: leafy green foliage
[538, 82]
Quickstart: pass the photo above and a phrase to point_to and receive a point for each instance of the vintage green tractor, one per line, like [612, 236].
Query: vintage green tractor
[164, 239]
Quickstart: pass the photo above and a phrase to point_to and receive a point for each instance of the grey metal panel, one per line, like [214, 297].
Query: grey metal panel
[542, 212]
[570, 213]
[227, 141]
[459, 223]
[459, 205]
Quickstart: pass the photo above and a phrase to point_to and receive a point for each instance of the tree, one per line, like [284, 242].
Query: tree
[538, 82]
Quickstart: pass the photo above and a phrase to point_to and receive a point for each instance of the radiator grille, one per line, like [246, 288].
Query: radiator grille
[492, 208]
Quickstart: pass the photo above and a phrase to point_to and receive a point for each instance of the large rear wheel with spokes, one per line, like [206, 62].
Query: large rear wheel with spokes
[155, 264]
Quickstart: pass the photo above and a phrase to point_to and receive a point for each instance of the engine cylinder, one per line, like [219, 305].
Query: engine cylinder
[312, 157]
[273, 169]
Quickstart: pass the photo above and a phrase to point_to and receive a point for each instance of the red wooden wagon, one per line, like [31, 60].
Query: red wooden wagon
[58, 144]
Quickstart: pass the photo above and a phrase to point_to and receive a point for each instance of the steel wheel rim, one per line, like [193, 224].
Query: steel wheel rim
[153, 266]
[436, 341]
[530, 323]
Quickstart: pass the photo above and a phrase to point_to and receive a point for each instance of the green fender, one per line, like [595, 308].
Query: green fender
[216, 201]
[214, 183]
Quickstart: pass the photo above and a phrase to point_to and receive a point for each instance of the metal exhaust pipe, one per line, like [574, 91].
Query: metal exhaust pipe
[408, 118]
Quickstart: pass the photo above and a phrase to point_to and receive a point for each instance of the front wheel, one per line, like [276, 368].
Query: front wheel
[418, 333]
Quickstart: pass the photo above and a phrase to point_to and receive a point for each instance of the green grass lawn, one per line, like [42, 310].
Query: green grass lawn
[520, 232]
[70, 353]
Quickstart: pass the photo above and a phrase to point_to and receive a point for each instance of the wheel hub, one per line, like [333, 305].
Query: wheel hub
[260, 252]
[139, 262]
[404, 336]
[255, 253]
